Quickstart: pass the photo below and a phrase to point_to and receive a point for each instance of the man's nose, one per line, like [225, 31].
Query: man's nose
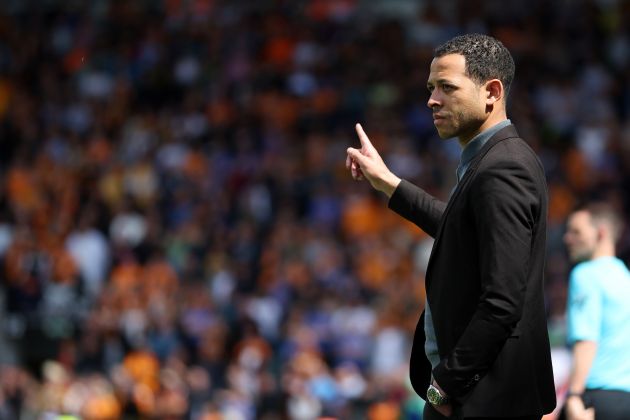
[566, 238]
[433, 101]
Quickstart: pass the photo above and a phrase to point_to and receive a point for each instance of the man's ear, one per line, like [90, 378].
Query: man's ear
[602, 232]
[494, 91]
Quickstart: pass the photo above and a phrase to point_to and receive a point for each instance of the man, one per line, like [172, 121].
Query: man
[481, 347]
[598, 317]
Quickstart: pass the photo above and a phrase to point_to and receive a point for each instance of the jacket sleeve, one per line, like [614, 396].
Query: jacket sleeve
[417, 206]
[506, 201]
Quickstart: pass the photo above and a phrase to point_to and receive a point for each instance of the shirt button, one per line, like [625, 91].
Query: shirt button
[477, 377]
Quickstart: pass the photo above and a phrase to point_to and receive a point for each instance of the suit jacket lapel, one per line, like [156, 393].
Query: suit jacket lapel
[504, 133]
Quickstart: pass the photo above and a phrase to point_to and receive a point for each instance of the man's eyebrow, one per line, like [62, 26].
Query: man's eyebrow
[443, 81]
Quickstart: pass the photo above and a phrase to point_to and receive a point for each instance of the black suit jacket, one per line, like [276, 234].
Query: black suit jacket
[484, 283]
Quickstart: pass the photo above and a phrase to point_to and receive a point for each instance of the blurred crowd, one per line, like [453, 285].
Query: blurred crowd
[179, 237]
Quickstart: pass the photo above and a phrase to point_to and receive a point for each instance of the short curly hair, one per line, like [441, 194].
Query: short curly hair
[486, 58]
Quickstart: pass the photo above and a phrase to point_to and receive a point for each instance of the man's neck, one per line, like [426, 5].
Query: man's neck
[490, 122]
[605, 250]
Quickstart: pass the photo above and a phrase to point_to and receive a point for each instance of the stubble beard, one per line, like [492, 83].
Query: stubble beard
[459, 125]
[581, 255]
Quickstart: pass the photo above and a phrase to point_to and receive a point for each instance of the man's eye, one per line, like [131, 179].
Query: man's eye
[447, 88]
[430, 88]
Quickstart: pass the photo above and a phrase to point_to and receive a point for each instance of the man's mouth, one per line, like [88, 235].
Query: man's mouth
[438, 118]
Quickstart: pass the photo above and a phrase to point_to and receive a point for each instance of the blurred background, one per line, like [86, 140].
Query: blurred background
[179, 238]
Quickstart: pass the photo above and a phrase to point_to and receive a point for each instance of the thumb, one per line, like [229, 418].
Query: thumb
[365, 141]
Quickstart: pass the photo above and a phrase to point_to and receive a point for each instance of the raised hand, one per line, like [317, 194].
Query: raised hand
[366, 163]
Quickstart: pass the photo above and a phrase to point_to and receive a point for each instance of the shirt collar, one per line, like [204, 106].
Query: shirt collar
[476, 143]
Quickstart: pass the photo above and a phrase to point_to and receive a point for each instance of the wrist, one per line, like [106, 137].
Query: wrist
[436, 396]
[390, 183]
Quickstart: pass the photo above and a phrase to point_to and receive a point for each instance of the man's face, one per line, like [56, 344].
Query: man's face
[457, 102]
[580, 237]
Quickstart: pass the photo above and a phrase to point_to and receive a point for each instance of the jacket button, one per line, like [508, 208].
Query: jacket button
[477, 377]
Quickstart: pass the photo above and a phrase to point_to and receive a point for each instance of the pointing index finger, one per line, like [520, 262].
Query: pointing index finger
[365, 141]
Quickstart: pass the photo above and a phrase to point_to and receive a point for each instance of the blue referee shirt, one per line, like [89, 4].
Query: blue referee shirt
[599, 310]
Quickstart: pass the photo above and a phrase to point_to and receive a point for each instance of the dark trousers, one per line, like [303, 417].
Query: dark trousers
[608, 405]
[431, 414]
